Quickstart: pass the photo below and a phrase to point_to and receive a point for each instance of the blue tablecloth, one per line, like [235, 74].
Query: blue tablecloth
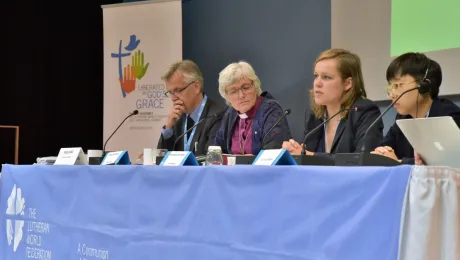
[203, 213]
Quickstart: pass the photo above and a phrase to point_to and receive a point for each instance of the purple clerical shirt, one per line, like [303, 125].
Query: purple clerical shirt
[242, 131]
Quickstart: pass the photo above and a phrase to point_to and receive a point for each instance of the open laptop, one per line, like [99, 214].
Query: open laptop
[436, 139]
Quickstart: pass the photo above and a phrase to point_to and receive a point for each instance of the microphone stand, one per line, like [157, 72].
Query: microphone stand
[191, 128]
[304, 152]
[287, 112]
[135, 112]
[363, 148]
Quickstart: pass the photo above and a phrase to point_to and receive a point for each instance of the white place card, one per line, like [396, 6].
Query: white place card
[71, 156]
[118, 157]
[274, 157]
[267, 157]
[179, 158]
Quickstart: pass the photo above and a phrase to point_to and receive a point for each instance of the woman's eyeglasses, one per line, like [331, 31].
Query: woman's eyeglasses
[245, 89]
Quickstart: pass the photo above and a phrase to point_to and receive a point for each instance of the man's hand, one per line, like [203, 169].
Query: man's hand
[176, 112]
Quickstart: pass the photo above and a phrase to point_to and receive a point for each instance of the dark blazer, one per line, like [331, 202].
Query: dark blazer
[349, 137]
[396, 139]
[204, 134]
[266, 116]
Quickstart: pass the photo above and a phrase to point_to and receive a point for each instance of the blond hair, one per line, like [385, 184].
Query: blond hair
[348, 66]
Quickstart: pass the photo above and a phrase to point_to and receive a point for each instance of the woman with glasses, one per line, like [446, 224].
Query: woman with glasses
[250, 115]
[338, 94]
[417, 72]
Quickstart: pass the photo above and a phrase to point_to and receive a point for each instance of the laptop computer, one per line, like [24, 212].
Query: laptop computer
[436, 139]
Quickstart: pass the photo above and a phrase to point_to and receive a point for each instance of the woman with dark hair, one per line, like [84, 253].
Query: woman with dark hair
[408, 71]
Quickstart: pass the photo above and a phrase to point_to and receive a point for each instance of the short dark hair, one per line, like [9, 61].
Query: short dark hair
[415, 65]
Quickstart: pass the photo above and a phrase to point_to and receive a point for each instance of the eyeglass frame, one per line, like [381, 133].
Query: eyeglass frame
[236, 92]
[389, 89]
[177, 91]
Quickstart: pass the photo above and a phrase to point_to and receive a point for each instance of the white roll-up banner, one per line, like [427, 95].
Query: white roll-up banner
[140, 41]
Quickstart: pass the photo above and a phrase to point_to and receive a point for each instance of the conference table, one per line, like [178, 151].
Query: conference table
[229, 212]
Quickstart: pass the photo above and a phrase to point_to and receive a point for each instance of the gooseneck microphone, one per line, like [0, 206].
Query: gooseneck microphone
[363, 148]
[135, 112]
[191, 128]
[287, 112]
[321, 125]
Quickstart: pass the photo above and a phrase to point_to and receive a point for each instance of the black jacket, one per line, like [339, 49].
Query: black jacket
[204, 134]
[396, 139]
[349, 137]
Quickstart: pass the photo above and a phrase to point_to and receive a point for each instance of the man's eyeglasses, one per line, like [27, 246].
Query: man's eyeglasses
[245, 89]
[396, 88]
[177, 91]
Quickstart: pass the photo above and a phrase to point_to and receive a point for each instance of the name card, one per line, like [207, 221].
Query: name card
[274, 157]
[179, 158]
[71, 156]
[116, 158]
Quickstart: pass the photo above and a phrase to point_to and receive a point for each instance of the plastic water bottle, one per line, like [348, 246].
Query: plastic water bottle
[214, 155]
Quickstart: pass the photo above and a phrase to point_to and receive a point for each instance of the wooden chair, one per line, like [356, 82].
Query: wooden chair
[16, 142]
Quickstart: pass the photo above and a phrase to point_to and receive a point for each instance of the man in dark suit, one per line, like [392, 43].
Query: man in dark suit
[184, 84]
[408, 71]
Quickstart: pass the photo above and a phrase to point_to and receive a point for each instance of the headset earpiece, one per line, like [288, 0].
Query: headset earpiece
[425, 85]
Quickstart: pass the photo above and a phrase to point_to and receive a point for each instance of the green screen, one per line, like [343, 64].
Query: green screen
[424, 25]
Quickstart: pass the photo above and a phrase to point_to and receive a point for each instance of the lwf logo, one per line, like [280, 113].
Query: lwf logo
[16, 206]
[128, 74]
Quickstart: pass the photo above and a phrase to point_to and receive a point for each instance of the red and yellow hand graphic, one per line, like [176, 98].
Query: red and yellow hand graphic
[128, 83]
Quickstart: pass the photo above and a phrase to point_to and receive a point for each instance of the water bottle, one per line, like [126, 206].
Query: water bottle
[214, 155]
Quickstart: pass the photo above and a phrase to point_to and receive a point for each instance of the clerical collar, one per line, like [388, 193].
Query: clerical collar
[252, 112]
[243, 116]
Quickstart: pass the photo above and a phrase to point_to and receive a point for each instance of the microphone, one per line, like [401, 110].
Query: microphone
[135, 112]
[381, 115]
[321, 125]
[191, 128]
[287, 112]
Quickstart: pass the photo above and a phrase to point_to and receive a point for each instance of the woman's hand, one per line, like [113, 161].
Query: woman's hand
[386, 151]
[418, 160]
[294, 147]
